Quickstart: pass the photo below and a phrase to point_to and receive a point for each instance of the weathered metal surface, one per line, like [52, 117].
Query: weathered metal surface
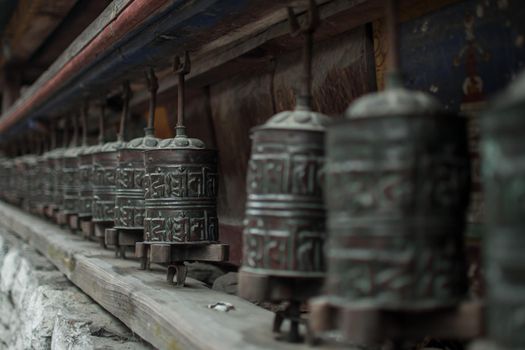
[24, 172]
[284, 223]
[85, 185]
[105, 163]
[129, 204]
[57, 158]
[55, 167]
[181, 184]
[70, 180]
[396, 192]
[84, 172]
[284, 226]
[503, 150]
[181, 188]
[41, 178]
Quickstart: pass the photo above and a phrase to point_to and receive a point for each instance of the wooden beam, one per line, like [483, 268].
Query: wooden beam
[166, 316]
[106, 17]
[219, 58]
[31, 24]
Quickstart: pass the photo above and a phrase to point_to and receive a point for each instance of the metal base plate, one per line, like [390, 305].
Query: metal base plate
[100, 231]
[175, 254]
[123, 240]
[87, 227]
[368, 325]
[74, 222]
[50, 211]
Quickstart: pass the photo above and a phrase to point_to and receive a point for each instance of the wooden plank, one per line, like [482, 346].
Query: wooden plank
[165, 316]
[31, 24]
[105, 18]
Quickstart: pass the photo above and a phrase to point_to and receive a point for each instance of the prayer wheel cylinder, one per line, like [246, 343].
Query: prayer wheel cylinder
[503, 159]
[105, 163]
[86, 181]
[181, 186]
[130, 210]
[284, 226]
[70, 180]
[397, 190]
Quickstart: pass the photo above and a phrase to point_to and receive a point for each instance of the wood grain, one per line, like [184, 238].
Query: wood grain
[166, 316]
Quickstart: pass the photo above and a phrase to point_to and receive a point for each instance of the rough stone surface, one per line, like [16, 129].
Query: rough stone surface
[40, 309]
[226, 283]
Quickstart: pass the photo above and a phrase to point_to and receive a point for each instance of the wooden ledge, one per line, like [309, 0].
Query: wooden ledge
[168, 317]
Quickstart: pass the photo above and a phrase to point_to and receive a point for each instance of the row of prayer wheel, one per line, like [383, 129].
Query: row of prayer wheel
[363, 217]
[157, 197]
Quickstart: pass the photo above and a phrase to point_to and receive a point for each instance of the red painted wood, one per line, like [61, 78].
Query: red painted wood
[130, 18]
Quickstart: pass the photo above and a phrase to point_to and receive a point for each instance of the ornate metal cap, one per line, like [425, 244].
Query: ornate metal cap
[513, 95]
[394, 101]
[111, 146]
[90, 149]
[182, 142]
[301, 118]
[146, 142]
[56, 153]
[73, 152]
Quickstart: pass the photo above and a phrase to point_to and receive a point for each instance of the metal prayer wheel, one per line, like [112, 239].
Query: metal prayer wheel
[25, 166]
[69, 178]
[86, 178]
[181, 184]
[105, 164]
[31, 185]
[39, 178]
[49, 182]
[78, 180]
[56, 158]
[85, 188]
[396, 193]
[503, 167]
[129, 202]
[284, 226]
[397, 190]
[55, 188]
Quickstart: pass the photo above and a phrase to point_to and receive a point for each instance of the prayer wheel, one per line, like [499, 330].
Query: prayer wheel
[86, 176]
[57, 159]
[69, 178]
[397, 186]
[40, 178]
[181, 185]
[284, 226]
[503, 164]
[129, 203]
[105, 163]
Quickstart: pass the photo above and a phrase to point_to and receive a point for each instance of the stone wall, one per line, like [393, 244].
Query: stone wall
[40, 309]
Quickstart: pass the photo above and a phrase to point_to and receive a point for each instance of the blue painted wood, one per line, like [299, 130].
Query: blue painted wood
[155, 43]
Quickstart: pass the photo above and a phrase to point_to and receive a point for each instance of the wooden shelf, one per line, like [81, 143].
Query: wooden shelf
[166, 316]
